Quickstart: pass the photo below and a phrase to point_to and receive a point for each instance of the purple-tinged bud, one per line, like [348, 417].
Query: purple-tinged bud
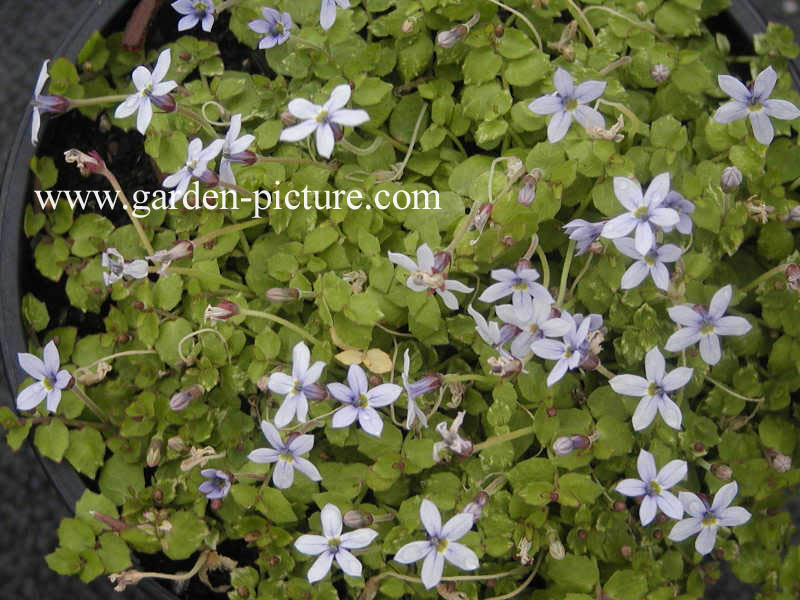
[287, 118]
[562, 446]
[247, 157]
[208, 177]
[282, 294]
[721, 471]
[781, 462]
[659, 73]
[222, 311]
[474, 510]
[355, 519]
[507, 333]
[590, 362]
[166, 103]
[441, 260]
[731, 179]
[450, 37]
[315, 392]
[794, 214]
[428, 383]
[338, 132]
[527, 193]
[482, 216]
[154, 452]
[186, 396]
[619, 506]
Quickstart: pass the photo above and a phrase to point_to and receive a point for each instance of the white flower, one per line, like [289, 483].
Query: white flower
[534, 323]
[425, 275]
[489, 331]
[707, 520]
[197, 159]
[150, 88]
[287, 456]
[324, 120]
[296, 388]
[360, 402]
[654, 391]
[653, 486]
[440, 545]
[651, 262]
[117, 268]
[49, 379]
[327, 12]
[568, 102]
[334, 545]
[705, 325]
[520, 284]
[233, 149]
[195, 11]
[418, 388]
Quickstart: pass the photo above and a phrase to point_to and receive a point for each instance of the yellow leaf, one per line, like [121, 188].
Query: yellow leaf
[350, 357]
[377, 361]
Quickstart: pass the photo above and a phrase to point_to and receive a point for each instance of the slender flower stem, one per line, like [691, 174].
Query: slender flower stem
[524, 584]
[222, 6]
[506, 437]
[281, 321]
[605, 372]
[112, 357]
[545, 266]
[90, 404]
[585, 26]
[207, 237]
[462, 230]
[139, 575]
[633, 22]
[291, 160]
[580, 275]
[764, 276]
[469, 377]
[77, 423]
[193, 115]
[412, 579]
[522, 18]
[78, 102]
[360, 151]
[127, 206]
[209, 277]
[728, 390]
[236, 188]
[562, 287]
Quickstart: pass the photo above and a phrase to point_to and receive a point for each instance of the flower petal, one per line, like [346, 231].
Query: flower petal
[557, 372]
[345, 416]
[720, 301]
[669, 411]
[558, 126]
[327, 14]
[693, 505]
[626, 246]
[671, 473]
[298, 132]
[280, 383]
[282, 475]
[644, 237]
[764, 83]
[302, 444]
[564, 83]
[781, 109]
[724, 497]
[735, 515]
[449, 298]
[657, 190]
[303, 109]
[588, 91]
[311, 544]
[664, 217]
[457, 526]
[685, 315]
[647, 510]
[619, 226]
[162, 65]
[287, 410]
[31, 396]
[734, 88]
[430, 518]
[670, 505]
[360, 538]
[384, 394]
[272, 435]
[645, 413]
[403, 261]
[730, 112]
[646, 465]
[350, 117]
[706, 540]
[548, 349]
[495, 292]
[144, 116]
[51, 359]
[683, 338]
[588, 117]
[340, 96]
[325, 140]
[634, 275]
[264, 455]
[631, 487]
[320, 567]
[370, 421]
[32, 365]
[547, 105]
[677, 378]
[710, 350]
[413, 551]
[331, 518]
[629, 385]
[461, 556]
[425, 258]
[732, 326]
[763, 130]
[348, 563]
[654, 364]
[432, 568]
[685, 528]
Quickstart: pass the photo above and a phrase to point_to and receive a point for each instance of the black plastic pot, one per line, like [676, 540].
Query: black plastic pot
[743, 18]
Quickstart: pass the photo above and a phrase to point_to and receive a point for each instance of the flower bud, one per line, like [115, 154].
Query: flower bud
[626, 551]
[450, 37]
[507, 241]
[619, 506]
[515, 169]
[557, 550]
[721, 471]
[222, 311]
[407, 26]
[166, 103]
[176, 444]
[731, 179]
[527, 193]
[499, 30]
[659, 73]
[183, 398]
[441, 260]
[246, 157]
[641, 9]
[210, 178]
[482, 216]
[287, 118]
[565, 445]
[428, 383]
[282, 294]
[792, 273]
[356, 519]
[315, 392]
[154, 452]
[794, 214]
[590, 362]
[263, 383]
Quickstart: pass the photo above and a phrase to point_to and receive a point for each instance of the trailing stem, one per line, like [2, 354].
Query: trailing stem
[281, 321]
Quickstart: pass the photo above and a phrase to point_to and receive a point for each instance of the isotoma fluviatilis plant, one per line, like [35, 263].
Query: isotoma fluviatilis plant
[564, 368]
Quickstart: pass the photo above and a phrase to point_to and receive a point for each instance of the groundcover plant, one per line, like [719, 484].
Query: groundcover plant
[507, 305]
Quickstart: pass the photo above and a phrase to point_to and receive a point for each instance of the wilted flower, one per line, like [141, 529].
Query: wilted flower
[707, 520]
[324, 120]
[645, 211]
[50, 380]
[197, 159]
[489, 331]
[653, 486]
[217, 486]
[567, 102]
[360, 402]
[86, 163]
[659, 72]
[416, 389]
[221, 312]
[731, 179]
[654, 390]
[652, 263]
[334, 545]
[755, 103]
[276, 27]
[569, 353]
[451, 439]
[46, 104]
[520, 284]
[287, 456]
[475, 508]
[583, 233]
[116, 267]
[195, 11]
[424, 275]
[327, 12]
[164, 258]
[234, 150]
[441, 544]
[150, 89]
[297, 387]
[781, 462]
[705, 325]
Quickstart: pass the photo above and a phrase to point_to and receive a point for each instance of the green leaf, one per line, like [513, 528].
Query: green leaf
[481, 65]
[86, 450]
[514, 44]
[626, 585]
[90, 503]
[777, 433]
[64, 561]
[113, 553]
[35, 312]
[185, 536]
[274, 505]
[118, 476]
[76, 535]
[52, 440]
[573, 573]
